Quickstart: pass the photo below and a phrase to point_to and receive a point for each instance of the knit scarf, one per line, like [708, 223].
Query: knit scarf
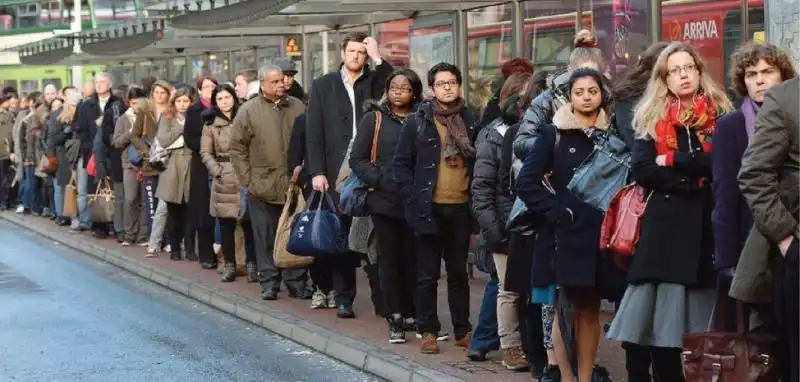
[749, 110]
[700, 117]
[457, 141]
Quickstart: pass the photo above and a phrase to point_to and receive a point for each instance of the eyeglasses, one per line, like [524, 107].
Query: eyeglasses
[688, 68]
[400, 89]
[448, 84]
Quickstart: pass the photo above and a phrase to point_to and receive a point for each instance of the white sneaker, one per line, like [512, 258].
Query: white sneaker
[167, 248]
[20, 209]
[217, 248]
[126, 243]
[319, 300]
[441, 336]
[332, 300]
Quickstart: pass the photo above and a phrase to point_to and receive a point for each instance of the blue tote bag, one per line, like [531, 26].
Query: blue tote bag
[318, 232]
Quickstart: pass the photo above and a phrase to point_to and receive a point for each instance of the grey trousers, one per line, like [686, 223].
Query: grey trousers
[119, 209]
[159, 225]
[264, 220]
[135, 215]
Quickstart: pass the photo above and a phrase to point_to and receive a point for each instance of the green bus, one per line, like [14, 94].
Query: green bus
[27, 79]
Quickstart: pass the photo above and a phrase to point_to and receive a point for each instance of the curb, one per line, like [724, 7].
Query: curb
[359, 354]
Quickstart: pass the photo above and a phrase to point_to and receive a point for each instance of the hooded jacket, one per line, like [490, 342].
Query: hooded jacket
[383, 197]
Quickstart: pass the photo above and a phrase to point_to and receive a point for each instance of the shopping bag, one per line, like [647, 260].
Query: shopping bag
[318, 232]
[71, 198]
[282, 256]
[101, 203]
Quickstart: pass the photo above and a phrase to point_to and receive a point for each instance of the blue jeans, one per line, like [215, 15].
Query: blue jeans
[33, 193]
[485, 336]
[58, 198]
[83, 195]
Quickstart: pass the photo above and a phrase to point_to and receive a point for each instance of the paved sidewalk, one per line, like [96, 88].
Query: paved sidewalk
[361, 342]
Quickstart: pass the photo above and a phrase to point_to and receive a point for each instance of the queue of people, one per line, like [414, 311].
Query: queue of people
[188, 165]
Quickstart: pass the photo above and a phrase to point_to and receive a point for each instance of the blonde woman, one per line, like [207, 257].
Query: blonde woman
[173, 185]
[59, 134]
[672, 278]
[143, 137]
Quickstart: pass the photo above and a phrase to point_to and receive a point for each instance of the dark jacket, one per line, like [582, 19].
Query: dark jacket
[540, 113]
[568, 242]
[491, 196]
[199, 190]
[58, 134]
[329, 119]
[731, 217]
[771, 161]
[296, 155]
[108, 159]
[86, 128]
[676, 239]
[492, 110]
[297, 91]
[623, 120]
[416, 164]
[383, 198]
[50, 125]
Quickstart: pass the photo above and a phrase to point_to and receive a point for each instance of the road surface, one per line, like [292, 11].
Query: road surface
[67, 317]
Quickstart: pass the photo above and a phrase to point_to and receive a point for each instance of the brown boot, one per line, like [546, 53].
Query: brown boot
[464, 342]
[429, 344]
[514, 358]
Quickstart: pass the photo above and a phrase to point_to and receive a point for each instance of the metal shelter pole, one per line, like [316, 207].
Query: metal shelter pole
[75, 28]
[578, 17]
[745, 21]
[655, 21]
[462, 56]
[325, 53]
[305, 59]
[518, 31]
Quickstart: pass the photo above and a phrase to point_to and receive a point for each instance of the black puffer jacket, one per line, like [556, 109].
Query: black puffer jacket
[384, 198]
[540, 113]
[491, 198]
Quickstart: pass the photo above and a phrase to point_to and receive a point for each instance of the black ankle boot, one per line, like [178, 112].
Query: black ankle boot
[228, 272]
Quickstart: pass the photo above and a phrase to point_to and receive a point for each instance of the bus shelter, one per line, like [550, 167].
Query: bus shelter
[221, 37]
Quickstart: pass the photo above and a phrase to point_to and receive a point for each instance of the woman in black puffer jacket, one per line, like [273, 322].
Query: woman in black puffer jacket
[397, 255]
[491, 204]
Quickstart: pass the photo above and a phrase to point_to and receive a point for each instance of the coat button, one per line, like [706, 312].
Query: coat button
[572, 150]
[666, 197]
[683, 181]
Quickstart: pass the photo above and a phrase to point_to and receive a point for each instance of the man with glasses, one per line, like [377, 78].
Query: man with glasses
[433, 167]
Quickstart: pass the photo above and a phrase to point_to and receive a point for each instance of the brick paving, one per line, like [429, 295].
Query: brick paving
[366, 327]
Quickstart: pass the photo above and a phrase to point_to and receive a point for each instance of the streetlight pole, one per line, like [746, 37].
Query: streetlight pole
[75, 29]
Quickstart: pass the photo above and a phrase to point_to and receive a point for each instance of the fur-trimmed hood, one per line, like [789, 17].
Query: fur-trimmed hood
[564, 119]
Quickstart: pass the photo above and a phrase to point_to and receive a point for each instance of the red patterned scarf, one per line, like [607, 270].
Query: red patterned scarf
[701, 117]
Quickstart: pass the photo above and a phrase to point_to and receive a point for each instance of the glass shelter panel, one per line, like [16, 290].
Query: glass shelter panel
[713, 26]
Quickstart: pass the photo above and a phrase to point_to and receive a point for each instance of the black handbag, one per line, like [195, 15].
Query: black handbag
[604, 171]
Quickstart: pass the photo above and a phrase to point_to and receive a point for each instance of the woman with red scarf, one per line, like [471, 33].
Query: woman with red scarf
[672, 282]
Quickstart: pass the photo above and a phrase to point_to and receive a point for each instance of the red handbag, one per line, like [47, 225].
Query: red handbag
[91, 167]
[619, 233]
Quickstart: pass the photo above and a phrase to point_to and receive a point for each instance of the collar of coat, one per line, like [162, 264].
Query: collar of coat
[564, 119]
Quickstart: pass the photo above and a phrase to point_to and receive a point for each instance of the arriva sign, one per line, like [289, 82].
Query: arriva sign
[700, 30]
